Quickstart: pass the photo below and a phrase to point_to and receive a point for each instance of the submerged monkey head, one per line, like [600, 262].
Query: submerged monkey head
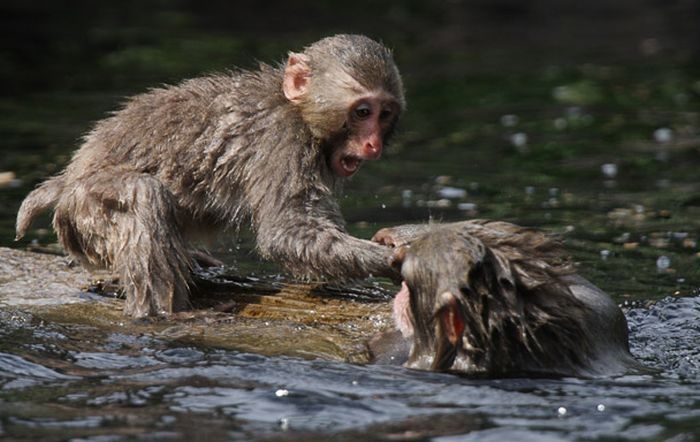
[478, 306]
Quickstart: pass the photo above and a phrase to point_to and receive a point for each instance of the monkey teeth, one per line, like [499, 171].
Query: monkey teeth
[350, 164]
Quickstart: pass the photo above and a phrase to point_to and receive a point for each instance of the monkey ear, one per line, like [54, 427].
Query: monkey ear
[296, 77]
[450, 318]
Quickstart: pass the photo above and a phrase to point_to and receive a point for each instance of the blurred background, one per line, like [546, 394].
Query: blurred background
[582, 119]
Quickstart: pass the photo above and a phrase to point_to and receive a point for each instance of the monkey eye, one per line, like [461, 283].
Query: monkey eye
[385, 114]
[363, 111]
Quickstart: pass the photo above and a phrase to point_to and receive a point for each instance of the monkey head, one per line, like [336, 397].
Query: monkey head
[431, 309]
[350, 95]
[466, 307]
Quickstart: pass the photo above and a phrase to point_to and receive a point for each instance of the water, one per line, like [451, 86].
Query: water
[108, 386]
[517, 111]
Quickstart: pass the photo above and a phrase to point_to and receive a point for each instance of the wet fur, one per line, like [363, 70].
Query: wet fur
[211, 153]
[513, 286]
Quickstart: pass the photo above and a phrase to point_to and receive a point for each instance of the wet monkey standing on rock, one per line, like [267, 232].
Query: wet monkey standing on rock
[270, 146]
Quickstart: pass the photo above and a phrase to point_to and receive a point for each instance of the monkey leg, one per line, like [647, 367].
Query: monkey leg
[128, 222]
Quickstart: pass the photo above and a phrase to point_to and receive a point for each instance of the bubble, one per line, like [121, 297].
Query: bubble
[282, 392]
[604, 254]
[663, 262]
[561, 411]
[600, 407]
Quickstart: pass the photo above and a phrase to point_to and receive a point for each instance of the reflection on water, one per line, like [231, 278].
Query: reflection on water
[521, 111]
[117, 385]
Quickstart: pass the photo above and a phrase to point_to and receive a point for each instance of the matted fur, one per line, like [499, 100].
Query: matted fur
[210, 154]
[518, 311]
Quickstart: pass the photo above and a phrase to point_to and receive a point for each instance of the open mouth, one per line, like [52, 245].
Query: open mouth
[348, 165]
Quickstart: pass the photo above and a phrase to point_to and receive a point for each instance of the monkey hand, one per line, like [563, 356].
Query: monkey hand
[399, 235]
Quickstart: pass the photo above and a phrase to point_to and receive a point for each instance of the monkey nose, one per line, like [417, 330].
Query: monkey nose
[373, 150]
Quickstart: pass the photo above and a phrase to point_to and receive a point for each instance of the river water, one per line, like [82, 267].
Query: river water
[517, 112]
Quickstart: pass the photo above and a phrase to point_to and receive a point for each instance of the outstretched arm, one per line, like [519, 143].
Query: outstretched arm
[317, 246]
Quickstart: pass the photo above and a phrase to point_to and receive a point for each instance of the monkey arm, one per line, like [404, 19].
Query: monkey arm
[400, 235]
[311, 245]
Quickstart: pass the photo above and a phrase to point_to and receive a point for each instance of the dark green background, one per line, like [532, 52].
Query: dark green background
[612, 72]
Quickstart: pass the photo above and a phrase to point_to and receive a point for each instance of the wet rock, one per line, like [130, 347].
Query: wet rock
[264, 316]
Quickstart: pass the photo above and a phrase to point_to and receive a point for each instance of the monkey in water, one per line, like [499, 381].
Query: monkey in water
[269, 147]
[494, 299]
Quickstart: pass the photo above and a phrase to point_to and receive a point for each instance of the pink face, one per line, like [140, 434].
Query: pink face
[370, 119]
[402, 311]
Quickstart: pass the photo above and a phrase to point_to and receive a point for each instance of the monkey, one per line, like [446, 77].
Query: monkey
[268, 148]
[492, 299]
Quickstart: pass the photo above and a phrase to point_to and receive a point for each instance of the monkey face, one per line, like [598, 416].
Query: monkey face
[369, 122]
[432, 309]
[350, 99]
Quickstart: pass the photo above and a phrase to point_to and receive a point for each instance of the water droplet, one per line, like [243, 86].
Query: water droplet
[509, 120]
[383, 206]
[441, 203]
[573, 112]
[681, 98]
[467, 207]
[519, 140]
[663, 262]
[560, 123]
[609, 170]
[284, 424]
[406, 197]
[663, 135]
[451, 192]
